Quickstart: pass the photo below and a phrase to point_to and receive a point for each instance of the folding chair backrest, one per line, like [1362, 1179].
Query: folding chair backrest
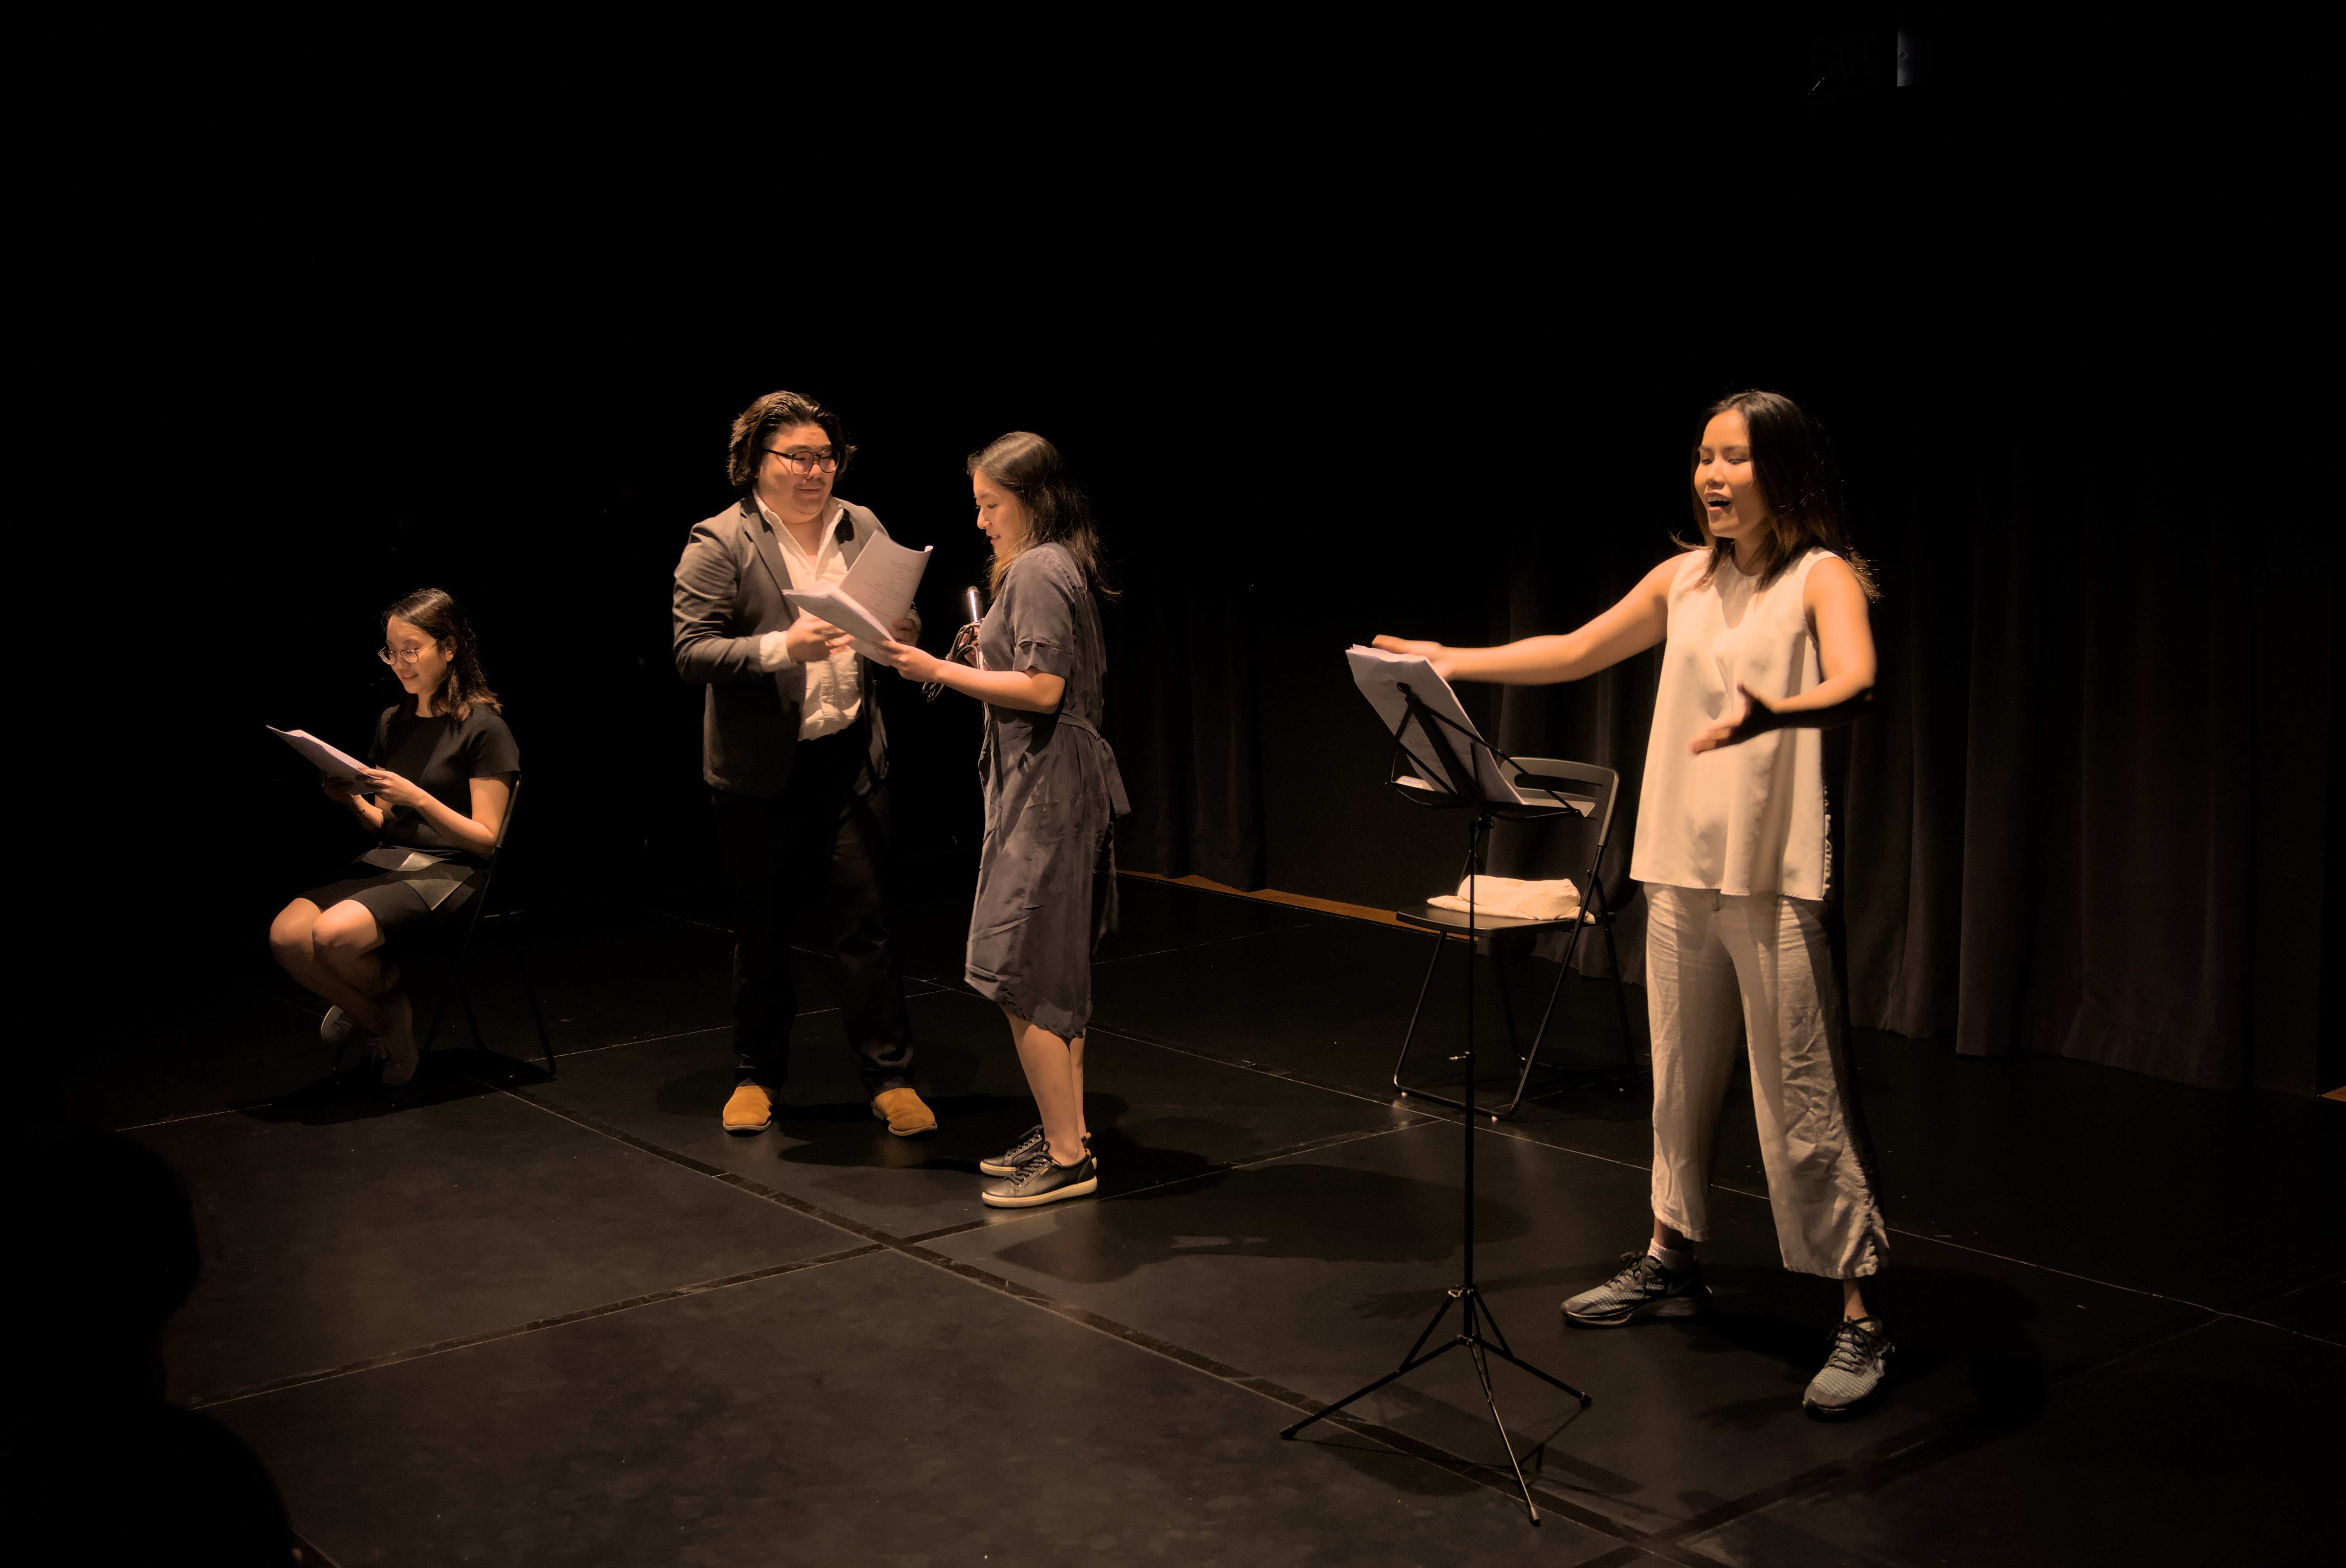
[489, 870]
[1587, 789]
[1583, 786]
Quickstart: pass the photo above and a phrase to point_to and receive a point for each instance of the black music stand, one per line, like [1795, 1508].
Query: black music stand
[1437, 783]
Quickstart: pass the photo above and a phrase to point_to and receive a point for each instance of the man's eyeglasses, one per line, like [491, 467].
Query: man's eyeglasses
[806, 461]
[399, 655]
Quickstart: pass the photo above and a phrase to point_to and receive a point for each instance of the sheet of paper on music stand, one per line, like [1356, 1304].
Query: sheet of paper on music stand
[322, 757]
[1380, 676]
[877, 592]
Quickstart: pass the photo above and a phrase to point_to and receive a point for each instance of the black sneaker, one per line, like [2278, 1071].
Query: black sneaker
[1007, 1162]
[1853, 1374]
[1643, 1290]
[1042, 1180]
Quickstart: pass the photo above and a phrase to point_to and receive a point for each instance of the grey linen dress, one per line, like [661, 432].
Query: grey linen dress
[1046, 873]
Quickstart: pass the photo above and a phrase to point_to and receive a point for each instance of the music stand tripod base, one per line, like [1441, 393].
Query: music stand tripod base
[1474, 1313]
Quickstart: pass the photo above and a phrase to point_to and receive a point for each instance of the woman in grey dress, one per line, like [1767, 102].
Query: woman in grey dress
[1046, 874]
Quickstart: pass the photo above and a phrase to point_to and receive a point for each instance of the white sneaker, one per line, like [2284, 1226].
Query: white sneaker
[337, 1027]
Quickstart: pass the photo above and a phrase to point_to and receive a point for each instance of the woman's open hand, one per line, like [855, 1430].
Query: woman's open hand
[909, 661]
[340, 788]
[1431, 652]
[389, 789]
[1757, 718]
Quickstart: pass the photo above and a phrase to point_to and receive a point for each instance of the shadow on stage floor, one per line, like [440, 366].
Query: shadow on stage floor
[526, 1319]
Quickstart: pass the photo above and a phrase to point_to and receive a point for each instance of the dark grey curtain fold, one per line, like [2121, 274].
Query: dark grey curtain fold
[1185, 721]
[2048, 831]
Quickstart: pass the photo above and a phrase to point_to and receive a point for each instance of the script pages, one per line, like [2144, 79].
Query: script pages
[1380, 676]
[322, 757]
[877, 592]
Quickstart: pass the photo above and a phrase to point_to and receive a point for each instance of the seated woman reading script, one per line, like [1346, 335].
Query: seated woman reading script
[440, 775]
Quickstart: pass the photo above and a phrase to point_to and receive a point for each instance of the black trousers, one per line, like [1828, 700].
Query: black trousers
[822, 841]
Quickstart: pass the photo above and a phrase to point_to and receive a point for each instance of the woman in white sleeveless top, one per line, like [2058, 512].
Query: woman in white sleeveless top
[1766, 642]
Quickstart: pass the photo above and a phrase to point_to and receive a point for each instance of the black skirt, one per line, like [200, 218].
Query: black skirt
[399, 911]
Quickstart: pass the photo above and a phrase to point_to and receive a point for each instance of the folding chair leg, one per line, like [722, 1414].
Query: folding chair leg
[439, 1016]
[529, 989]
[471, 1023]
[1530, 1057]
[1424, 990]
[1620, 999]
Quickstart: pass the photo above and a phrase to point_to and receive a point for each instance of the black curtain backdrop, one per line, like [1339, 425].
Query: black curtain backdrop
[1447, 393]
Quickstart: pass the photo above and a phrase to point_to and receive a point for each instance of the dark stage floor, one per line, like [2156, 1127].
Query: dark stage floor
[524, 1322]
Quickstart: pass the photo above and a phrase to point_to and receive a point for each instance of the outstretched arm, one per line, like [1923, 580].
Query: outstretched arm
[1836, 611]
[1638, 622]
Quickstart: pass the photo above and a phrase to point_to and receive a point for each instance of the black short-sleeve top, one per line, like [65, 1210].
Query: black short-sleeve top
[443, 755]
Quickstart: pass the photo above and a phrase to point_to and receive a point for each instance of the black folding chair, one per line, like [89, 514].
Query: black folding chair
[456, 946]
[1589, 790]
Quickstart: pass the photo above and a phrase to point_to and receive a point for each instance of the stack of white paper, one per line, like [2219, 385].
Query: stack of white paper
[322, 757]
[877, 592]
[1380, 677]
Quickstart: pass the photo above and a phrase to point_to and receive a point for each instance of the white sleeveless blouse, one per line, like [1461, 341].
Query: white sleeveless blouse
[1748, 818]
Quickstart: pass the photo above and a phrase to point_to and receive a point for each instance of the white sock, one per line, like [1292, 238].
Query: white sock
[1671, 1259]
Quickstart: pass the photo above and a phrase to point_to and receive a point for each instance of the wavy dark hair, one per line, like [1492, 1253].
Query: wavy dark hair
[779, 411]
[435, 613]
[1031, 468]
[1791, 459]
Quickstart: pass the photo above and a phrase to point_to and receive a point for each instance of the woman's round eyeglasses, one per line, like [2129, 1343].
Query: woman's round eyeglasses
[399, 655]
[806, 461]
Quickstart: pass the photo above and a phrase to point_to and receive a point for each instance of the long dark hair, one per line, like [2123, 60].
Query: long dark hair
[1031, 468]
[1791, 459]
[435, 613]
[778, 410]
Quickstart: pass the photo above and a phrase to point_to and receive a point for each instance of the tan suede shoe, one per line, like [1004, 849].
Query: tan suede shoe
[902, 1111]
[751, 1110]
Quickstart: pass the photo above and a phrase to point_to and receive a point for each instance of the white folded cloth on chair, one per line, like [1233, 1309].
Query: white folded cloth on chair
[1509, 896]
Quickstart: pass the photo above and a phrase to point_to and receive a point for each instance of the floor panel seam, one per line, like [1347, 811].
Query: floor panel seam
[194, 1116]
[310, 1551]
[1120, 1033]
[1850, 1466]
[1400, 1443]
[1194, 946]
[1195, 1361]
[536, 1326]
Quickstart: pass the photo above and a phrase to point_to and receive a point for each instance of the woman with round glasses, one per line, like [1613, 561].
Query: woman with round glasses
[1047, 871]
[440, 776]
[1765, 641]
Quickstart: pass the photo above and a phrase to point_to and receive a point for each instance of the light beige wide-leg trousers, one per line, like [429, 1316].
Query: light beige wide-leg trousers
[1719, 969]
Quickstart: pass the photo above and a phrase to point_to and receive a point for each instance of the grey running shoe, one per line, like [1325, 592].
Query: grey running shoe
[1042, 1180]
[1852, 1373]
[1644, 1289]
[1007, 1162]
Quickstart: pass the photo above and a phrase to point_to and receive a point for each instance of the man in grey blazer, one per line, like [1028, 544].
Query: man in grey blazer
[794, 754]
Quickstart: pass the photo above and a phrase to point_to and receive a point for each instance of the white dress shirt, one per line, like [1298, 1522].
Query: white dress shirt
[834, 690]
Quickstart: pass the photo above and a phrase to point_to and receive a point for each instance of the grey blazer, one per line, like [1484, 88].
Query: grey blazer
[728, 593]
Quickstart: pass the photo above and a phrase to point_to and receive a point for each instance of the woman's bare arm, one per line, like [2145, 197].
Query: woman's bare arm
[343, 790]
[1835, 605]
[1030, 690]
[477, 832]
[1640, 621]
